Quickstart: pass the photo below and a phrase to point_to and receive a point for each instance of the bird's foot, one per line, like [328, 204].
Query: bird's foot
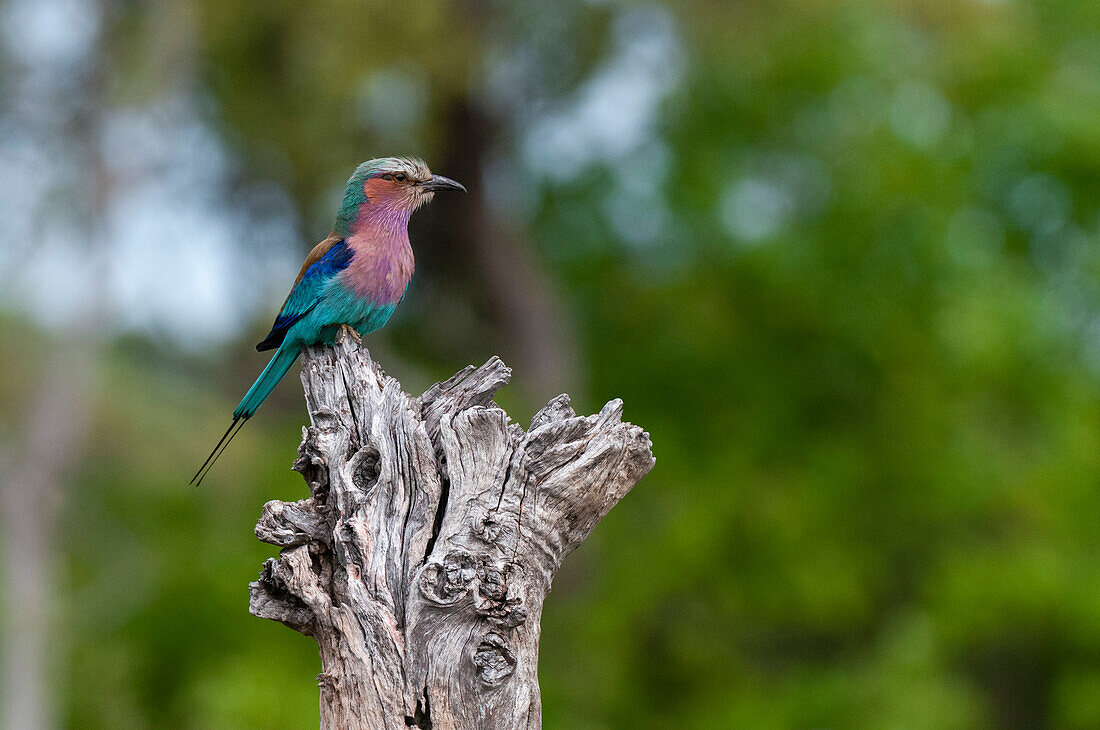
[346, 331]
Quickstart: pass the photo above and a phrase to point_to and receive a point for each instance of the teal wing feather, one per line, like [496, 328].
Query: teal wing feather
[329, 258]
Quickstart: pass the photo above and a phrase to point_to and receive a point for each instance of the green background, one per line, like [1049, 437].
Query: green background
[840, 259]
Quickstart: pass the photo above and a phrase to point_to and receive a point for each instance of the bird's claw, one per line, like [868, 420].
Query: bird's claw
[346, 331]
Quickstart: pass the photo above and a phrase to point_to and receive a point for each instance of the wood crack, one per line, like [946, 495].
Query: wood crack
[440, 513]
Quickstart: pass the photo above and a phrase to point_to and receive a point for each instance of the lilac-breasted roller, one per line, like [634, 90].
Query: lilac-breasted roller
[355, 277]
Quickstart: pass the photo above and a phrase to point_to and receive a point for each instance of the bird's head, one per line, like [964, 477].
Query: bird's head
[388, 188]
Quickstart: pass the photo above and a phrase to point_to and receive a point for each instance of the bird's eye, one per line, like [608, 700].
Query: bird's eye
[400, 177]
[387, 176]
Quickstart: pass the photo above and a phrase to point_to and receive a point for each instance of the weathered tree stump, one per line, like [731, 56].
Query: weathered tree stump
[421, 560]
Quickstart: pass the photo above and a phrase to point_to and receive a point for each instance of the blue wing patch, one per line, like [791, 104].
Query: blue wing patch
[303, 297]
[335, 260]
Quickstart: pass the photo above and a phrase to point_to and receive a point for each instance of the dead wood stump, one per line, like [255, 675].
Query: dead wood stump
[434, 526]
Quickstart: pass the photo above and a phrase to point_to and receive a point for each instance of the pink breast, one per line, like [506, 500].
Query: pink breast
[381, 266]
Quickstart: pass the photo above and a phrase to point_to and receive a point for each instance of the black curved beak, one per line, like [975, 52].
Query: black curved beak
[438, 182]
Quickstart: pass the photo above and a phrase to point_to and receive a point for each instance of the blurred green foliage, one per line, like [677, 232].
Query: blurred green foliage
[863, 332]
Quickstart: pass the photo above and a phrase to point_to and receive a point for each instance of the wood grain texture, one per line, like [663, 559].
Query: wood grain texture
[434, 526]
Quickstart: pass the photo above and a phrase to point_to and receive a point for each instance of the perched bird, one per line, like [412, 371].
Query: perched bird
[356, 277]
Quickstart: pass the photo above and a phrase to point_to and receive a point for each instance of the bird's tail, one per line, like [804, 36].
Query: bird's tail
[257, 394]
[269, 378]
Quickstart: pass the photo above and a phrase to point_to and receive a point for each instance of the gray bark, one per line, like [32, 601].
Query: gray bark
[434, 526]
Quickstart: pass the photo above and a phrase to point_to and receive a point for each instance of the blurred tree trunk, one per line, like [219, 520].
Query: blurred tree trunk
[59, 413]
[434, 526]
[518, 294]
[30, 497]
